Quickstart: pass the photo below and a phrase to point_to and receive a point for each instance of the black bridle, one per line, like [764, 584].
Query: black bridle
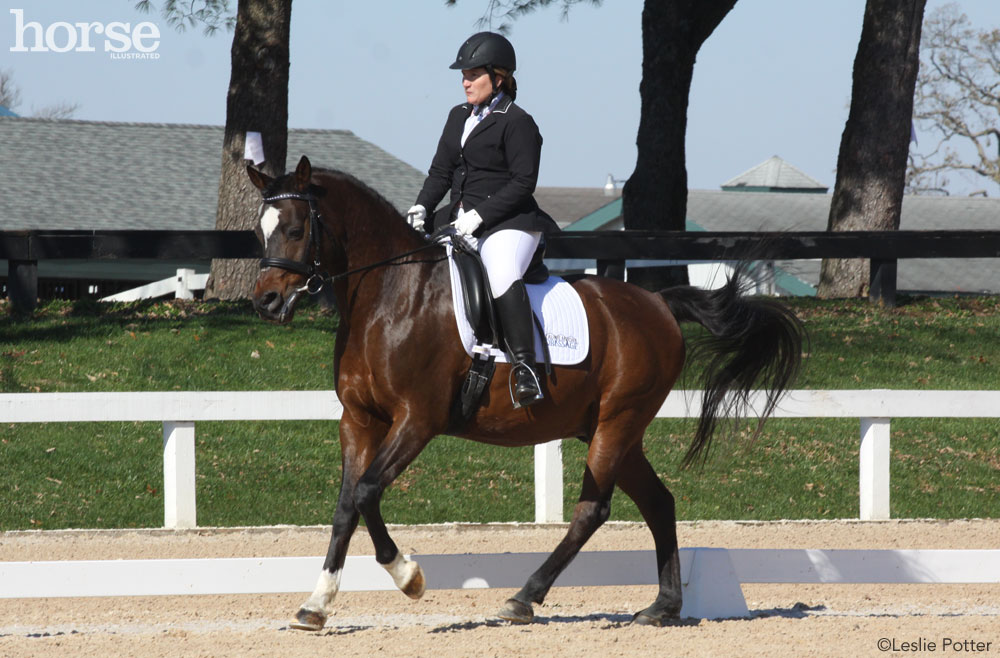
[316, 276]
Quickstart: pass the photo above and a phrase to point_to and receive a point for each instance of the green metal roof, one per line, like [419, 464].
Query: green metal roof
[604, 215]
[599, 218]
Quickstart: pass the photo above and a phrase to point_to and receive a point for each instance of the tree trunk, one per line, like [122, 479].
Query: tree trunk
[871, 166]
[258, 102]
[655, 195]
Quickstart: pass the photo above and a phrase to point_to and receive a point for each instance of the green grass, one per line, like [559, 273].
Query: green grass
[100, 475]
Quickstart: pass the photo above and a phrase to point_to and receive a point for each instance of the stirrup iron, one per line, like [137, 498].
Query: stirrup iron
[511, 383]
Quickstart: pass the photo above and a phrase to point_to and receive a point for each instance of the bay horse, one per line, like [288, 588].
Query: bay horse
[399, 366]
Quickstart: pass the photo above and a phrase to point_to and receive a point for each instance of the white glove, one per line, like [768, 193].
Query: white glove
[416, 217]
[467, 223]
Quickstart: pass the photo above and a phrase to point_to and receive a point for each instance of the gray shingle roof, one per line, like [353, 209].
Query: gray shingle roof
[62, 174]
[568, 204]
[775, 175]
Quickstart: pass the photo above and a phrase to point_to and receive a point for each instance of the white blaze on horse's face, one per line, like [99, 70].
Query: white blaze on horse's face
[268, 222]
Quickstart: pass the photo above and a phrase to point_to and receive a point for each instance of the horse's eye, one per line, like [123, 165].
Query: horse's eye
[296, 233]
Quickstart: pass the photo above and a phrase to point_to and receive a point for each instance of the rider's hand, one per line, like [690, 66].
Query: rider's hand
[468, 223]
[416, 217]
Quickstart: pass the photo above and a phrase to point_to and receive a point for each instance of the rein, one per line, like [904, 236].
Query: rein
[317, 277]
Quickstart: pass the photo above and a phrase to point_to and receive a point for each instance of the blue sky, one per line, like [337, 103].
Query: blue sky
[774, 79]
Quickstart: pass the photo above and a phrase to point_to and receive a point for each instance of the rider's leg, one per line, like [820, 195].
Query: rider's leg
[507, 255]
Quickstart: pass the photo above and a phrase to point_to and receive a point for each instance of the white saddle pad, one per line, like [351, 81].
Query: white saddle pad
[557, 305]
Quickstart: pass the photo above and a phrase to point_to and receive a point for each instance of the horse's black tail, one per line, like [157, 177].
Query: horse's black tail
[752, 343]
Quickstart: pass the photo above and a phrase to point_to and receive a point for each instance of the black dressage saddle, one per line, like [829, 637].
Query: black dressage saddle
[478, 305]
[476, 297]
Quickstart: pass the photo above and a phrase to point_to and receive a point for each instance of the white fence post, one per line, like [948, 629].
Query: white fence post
[873, 407]
[548, 482]
[179, 506]
[184, 284]
[874, 469]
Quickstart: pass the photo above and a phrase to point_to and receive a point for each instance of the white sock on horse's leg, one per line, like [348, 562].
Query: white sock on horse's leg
[407, 575]
[326, 591]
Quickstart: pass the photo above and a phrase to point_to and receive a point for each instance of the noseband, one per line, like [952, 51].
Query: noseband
[316, 277]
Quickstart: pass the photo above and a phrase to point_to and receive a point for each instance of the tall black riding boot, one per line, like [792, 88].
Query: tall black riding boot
[516, 320]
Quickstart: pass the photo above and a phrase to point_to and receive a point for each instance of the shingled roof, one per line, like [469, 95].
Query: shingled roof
[67, 174]
[774, 175]
[568, 204]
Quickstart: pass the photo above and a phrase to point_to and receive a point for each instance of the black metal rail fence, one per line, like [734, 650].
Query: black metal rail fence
[610, 249]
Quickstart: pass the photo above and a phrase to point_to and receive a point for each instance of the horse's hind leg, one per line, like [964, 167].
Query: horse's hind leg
[656, 504]
[590, 513]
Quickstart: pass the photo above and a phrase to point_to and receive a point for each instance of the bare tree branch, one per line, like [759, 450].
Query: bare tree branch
[10, 93]
[957, 99]
[61, 110]
[10, 97]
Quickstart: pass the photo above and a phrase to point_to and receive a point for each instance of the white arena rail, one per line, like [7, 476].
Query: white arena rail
[179, 411]
[711, 577]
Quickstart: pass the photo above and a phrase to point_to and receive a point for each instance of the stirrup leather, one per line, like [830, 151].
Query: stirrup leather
[537, 396]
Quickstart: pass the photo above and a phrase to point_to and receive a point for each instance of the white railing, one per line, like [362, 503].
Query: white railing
[181, 286]
[711, 578]
[179, 411]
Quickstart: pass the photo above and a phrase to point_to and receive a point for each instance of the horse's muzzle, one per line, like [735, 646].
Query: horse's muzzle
[275, 307]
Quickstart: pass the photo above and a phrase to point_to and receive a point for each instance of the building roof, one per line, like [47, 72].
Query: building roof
[774, 175]
[568, 204]
[67, 174]
[772, 211]
[6, 112]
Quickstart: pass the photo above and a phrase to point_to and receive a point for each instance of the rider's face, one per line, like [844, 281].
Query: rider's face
[476, 83]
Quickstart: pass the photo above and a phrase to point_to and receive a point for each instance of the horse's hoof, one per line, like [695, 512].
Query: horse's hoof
[517, 612]
[308, 620]
[652, 616]
[643, 619]
[416, 585]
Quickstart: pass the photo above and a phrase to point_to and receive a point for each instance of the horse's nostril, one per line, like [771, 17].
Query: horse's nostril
[270, 301]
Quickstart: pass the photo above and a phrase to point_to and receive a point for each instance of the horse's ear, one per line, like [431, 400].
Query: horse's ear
[259, 179]
[303, 174]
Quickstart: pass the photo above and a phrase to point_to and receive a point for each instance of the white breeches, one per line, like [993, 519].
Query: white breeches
[507, 255]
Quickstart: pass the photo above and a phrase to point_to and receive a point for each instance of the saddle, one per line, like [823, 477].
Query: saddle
[478, 305]
[477, 299]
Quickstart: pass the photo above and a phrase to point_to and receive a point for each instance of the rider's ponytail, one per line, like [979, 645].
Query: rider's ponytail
[508, 84]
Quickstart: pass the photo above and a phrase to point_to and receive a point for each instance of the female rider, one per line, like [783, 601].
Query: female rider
[488, 158]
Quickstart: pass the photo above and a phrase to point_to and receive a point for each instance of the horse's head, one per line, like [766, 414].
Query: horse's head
[289, 229]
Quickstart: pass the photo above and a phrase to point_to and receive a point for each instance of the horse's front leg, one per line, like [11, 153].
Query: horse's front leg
[405, 441]
[358, 446]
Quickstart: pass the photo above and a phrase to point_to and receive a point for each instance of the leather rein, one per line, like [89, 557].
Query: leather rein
[316, 276]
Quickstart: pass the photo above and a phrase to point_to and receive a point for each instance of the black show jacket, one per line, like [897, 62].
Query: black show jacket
[494, 174]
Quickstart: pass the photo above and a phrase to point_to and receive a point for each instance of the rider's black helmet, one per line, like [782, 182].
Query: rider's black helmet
[486, 49]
